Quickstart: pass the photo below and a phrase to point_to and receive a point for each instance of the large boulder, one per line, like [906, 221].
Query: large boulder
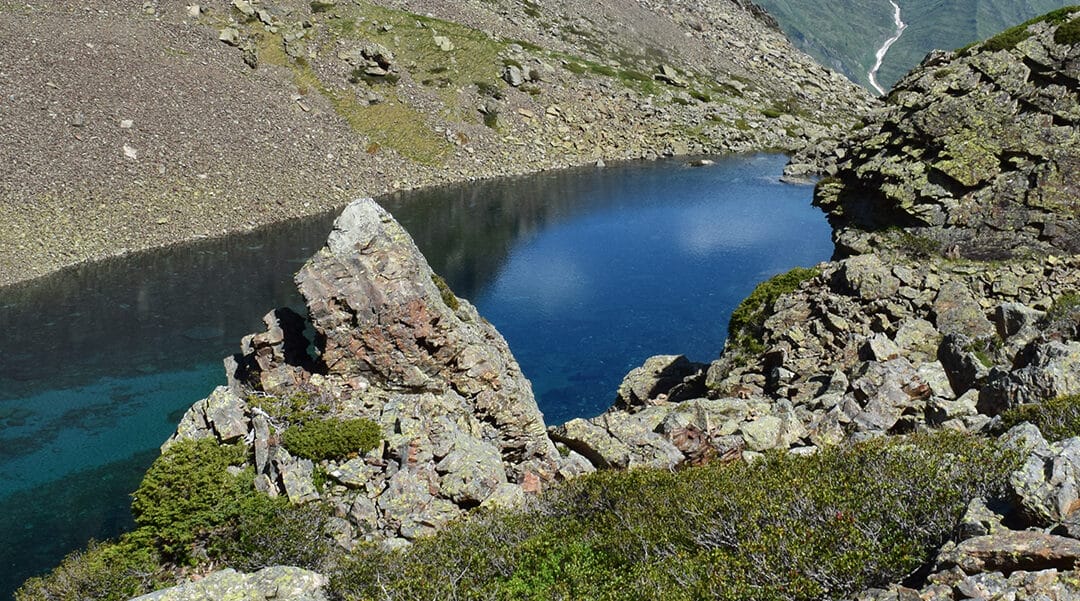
[280, 583]
[385, 320]
[1047, 486]
[458, 423]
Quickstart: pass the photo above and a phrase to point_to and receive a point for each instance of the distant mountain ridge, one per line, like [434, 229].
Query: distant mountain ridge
[845, 34]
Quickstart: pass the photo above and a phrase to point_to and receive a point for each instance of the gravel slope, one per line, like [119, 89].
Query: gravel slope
[129, 125]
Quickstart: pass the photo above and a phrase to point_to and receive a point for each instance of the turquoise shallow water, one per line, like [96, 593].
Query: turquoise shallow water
[585, 272]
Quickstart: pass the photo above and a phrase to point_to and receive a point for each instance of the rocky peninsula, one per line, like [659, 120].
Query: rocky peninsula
[908, 365]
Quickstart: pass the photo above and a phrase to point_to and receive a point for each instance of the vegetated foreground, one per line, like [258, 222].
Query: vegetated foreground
[860, 436]
[173, 121]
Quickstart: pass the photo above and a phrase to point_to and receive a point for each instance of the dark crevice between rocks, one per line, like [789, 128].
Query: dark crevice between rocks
[582, 449]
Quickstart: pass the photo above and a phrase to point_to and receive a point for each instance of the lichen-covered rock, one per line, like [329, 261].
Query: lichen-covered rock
[975, 154]
[617, 439]
[384, 318]
[457, 420]
[1012, 551]
[1045, 371]
[280, 583]
[1047, 486]
[664, 378]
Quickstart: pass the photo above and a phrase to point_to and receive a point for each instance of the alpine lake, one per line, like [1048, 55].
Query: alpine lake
[586, 272]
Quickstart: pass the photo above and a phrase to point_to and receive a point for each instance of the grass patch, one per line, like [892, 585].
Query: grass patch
[330, 438]
[1008, 39]
[391, 123]
[785, 528]
[747, 323]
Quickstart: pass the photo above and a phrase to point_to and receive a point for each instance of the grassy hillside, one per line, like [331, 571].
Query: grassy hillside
[845, 34]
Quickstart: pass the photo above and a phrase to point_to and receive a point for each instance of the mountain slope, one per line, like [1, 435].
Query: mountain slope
[138, 124]
[846, 34]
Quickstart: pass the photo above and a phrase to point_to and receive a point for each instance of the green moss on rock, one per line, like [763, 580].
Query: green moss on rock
[447, 294]
[748, 320]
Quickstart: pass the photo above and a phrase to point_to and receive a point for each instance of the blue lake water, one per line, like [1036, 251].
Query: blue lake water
[586, 273]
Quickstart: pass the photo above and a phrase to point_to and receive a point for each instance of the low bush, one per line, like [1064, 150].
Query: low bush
[783, 528]
[329, 438]
[111, 571]
[282, 535]
[1068, 33]
[1057, 419]
[748, 320]
[191, 494]
[1064, 315]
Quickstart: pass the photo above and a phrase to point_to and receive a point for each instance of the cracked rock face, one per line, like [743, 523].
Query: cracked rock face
[385, 320]
[976, 153]
[459, 426]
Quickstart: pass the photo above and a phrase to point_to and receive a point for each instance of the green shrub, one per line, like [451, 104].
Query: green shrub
[329, 438]
[916, 245]
[783, 528]
[748, 320]
[190, 495]
[1064, 314]
[1057, 419]
[1008, 39]
[111, 571]
[284, 534]
[1068, 33]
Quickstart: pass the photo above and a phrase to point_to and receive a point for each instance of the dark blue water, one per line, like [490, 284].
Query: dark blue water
[585, 272]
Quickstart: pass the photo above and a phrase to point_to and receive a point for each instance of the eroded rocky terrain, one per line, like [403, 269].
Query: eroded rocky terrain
[130, 125]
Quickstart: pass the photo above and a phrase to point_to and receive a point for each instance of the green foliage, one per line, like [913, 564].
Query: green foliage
[189, 495]
[783, 528]
[329, 438]
[748, 320]
[1068, 33]
[281, 534]
[111, 571]
[489, 89]
[447, 294]
[1008, 39]
[917, 246]
[294, 409]
[1057, 419]
[1064, 314]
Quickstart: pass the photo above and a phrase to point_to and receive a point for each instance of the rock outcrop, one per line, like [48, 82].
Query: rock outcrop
[280, 583]
[909, 330]
[459, 424]
[975, 152]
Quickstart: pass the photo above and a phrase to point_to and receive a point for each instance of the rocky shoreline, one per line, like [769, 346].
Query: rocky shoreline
[913, 330]
[276, 110]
